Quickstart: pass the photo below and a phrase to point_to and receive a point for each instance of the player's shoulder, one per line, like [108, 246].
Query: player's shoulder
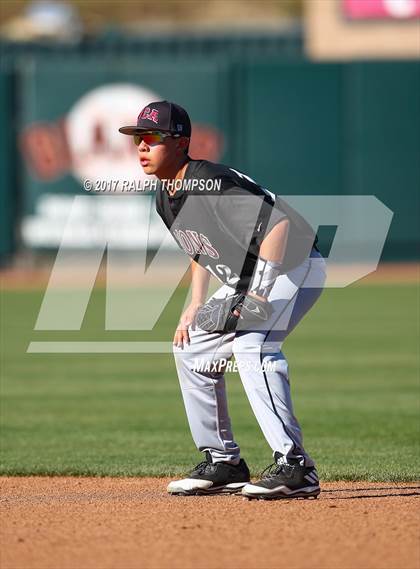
[208, 170]
[232, 181]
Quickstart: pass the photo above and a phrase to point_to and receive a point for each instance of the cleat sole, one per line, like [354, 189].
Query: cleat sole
[237, 488]
[292, 496]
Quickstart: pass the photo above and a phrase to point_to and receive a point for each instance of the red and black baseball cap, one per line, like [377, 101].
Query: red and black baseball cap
[161, 115]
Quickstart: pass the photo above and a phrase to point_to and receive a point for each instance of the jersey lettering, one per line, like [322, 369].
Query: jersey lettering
[195, 238]
[184, 242]
[210, 250]
[192, 243]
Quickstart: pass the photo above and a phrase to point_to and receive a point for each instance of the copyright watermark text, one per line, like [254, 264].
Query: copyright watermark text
[150, 185]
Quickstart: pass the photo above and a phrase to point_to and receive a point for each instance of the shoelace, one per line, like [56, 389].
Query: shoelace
[276, 469]
[201, 467]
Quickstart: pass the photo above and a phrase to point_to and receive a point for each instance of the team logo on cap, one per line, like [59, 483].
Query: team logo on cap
[150, 114]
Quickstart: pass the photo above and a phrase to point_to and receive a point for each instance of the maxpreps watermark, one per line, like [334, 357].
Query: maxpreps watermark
[151, 185]
[354, 253]
[224, 365]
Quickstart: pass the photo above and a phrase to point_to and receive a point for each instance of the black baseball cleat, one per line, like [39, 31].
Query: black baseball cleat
[212, 478]
[284, 480]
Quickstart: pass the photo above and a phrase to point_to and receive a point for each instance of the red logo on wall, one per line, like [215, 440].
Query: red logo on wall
[45, 147]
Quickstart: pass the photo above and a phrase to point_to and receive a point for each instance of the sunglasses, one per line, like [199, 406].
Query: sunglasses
[153, 137]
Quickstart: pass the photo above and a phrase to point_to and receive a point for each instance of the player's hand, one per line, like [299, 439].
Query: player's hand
[234, 312]
[182, 336]
[252, 295]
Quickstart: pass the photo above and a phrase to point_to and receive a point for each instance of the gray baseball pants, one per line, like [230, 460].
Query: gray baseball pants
[261, 365]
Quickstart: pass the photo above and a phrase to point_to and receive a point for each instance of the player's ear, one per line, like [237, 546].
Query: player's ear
[183, 143]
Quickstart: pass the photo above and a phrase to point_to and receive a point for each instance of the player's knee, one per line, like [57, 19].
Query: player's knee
[275, 362]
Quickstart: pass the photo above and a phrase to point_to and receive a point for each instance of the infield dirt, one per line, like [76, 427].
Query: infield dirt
[127, 523]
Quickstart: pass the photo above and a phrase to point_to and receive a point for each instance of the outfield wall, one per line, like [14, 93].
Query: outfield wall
[295, 126]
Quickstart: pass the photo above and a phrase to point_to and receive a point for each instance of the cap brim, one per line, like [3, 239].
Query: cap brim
[137, 129]
[130, 129]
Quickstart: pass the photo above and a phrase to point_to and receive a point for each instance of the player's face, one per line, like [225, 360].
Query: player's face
[160, 155]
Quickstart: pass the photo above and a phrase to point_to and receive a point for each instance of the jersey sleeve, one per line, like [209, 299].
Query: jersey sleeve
[247, 217]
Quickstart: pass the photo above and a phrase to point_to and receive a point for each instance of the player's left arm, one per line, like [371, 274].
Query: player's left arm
[273, 247]
[272, 250]
[269, 264]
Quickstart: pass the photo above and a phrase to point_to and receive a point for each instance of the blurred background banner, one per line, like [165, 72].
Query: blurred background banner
[362, 29]
[377, 9]
[68, 134]
[259, 99]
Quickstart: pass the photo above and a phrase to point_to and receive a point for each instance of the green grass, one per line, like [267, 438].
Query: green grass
[354, 374]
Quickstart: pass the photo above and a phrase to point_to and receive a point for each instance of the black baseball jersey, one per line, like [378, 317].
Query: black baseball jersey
[220, 218]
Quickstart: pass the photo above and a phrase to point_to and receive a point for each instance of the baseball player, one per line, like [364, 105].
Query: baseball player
[271, 272]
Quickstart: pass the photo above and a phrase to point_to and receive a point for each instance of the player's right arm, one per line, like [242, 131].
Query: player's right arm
[199, 288]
